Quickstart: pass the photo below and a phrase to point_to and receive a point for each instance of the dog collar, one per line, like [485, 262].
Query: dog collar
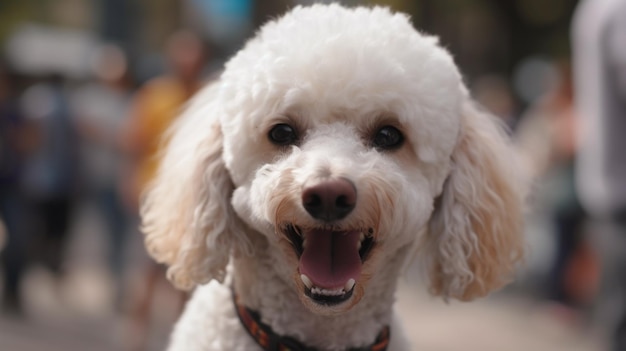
[270, 341]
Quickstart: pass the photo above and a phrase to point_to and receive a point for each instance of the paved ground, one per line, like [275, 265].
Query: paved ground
[501, 323]
[75, 314]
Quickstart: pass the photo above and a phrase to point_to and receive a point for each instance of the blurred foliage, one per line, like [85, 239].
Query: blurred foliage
[12, 13]
[66, 13]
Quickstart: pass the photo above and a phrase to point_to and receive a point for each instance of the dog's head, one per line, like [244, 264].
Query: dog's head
[345, 138]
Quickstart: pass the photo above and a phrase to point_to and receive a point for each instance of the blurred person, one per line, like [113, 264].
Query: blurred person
[546, 136]
[156, 106]
[158, 103]
[495, 94]
[102, 108]
[599, 57]
[50, 170]
[13, 147]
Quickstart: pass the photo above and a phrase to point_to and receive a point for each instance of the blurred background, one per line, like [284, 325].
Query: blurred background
[88, 86]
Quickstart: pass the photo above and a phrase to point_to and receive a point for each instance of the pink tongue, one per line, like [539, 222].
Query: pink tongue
[330, 259]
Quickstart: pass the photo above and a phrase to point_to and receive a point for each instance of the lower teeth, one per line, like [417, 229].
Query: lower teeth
[319, 291]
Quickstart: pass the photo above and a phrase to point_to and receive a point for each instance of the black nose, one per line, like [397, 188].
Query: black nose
[330, 200]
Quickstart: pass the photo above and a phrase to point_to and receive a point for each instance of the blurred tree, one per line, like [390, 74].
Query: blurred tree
[66, 13]
[13, 12]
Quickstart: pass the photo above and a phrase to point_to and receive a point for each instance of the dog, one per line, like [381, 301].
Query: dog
[338, 145]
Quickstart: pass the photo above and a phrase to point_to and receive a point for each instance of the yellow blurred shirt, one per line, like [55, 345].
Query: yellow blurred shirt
[158, 104]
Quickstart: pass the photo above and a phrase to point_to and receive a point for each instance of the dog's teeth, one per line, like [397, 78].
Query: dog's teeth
[349, 285]
[358, 243]
[336, 292]
[326, 292]
[306, 281]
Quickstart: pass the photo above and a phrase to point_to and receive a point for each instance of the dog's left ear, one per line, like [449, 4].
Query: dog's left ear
[475, 234]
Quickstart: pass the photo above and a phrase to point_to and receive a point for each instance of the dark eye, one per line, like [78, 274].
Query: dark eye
[387, 138]
[283, 134]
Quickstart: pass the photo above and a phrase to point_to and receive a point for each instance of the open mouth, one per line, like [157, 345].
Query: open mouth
[330, 260]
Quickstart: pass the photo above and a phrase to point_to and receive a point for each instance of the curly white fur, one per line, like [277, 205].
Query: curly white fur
[224, 192]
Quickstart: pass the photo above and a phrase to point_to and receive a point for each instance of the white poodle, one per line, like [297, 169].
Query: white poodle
[337, 145]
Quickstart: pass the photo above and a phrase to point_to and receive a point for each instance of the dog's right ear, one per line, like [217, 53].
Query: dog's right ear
[187, 217]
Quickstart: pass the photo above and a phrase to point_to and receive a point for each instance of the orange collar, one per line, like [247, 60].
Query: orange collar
[270, 341]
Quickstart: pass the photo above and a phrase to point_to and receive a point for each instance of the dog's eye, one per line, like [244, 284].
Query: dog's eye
[283, 134]
[387, 138]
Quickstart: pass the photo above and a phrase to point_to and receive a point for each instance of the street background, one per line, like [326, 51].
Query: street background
[82, 82]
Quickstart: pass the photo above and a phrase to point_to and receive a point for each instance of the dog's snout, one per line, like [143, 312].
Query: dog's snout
[330, 200]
